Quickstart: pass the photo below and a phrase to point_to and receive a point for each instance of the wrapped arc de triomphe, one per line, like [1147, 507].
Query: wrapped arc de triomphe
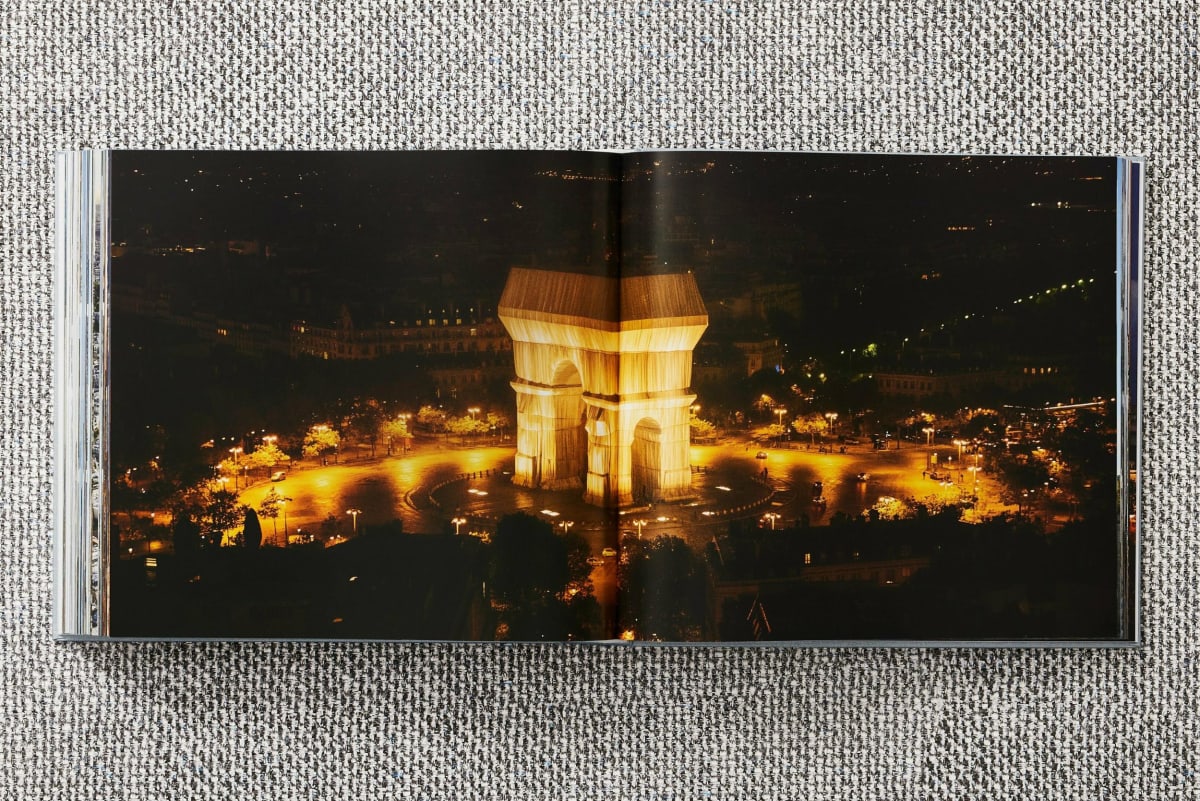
[604, 368]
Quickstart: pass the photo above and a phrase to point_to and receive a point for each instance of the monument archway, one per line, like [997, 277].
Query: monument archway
[616, 355]
[645, 461]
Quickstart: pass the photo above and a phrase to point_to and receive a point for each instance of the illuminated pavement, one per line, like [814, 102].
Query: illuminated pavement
[384, 489]
[891, 473]
[399, 487]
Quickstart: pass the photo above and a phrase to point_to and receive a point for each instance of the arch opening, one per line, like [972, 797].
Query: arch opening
[646, 461]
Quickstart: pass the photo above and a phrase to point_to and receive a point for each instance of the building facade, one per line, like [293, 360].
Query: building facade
[603, 382]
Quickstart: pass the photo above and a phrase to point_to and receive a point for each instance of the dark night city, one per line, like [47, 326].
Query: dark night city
[675, 397]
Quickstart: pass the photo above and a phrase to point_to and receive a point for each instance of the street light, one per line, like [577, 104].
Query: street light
[928, 432]
[639, 525]
[474, 410]
[772, 516]
[404, 439]
[832, 418]
[781, 411]
[283, 505]
[960, 443]
[566, 524]
[235, 451]
[354, 513]
[458, 522]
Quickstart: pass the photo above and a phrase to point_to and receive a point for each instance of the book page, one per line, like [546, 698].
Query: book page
[902, 411]
[327, 423]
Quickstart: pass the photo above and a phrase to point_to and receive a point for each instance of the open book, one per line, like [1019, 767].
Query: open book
[655, 397]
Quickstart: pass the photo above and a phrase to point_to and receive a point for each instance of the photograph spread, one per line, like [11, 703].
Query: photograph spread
[676, 397]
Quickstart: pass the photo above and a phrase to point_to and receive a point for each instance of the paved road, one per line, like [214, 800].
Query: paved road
[384, 489]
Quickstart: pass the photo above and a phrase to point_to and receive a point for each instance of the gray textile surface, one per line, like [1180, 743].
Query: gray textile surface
[359, 721]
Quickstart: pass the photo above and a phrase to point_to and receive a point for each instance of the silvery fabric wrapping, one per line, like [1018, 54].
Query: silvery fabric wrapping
[294, 720]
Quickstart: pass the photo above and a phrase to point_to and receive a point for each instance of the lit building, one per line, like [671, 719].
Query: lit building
[347, 341]
[924, 385]
[761, 354]
[603, 374]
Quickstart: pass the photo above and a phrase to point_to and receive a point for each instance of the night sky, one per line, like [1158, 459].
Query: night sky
[882, 246]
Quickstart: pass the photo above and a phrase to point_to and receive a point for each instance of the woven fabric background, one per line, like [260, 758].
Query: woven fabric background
[315, 721]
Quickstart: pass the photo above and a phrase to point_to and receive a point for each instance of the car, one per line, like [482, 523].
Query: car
[761, 455]
[595, 561]
[609, 552]
[279, 475]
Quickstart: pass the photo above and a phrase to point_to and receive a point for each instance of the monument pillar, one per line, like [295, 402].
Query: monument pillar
[551, 440]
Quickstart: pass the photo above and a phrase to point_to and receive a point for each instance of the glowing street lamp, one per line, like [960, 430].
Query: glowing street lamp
[354, 513]
[407, 434]
[474, 410]
[928, 432]
[235, 451]
[283, 506]
[960, 443]
[458, 523]
[772, 516]
[832, 418]
[566, 525]
[639, 525]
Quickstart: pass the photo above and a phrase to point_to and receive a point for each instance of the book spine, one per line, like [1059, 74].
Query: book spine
[1130, 202]
[80, 498]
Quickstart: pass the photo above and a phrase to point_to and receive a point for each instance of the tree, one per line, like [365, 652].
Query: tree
[212, 511]
[221, 513]
[498, 421]
[1022, 476]
[465, 425]
[579, 572]
[394, 432]
[431, 417]
[251, 530]
[529, 561]
[266, 456]
[364, 422]
[773, 431]
[663, 591]
[270, 507]
[810, 425]
[702, 429]
[985, 426]
[320, 441]
[529, 572]
[186, 536]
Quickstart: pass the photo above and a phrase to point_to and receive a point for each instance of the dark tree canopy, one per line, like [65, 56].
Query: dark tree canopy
[663, 591]
[529, 561]
[252, 530]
